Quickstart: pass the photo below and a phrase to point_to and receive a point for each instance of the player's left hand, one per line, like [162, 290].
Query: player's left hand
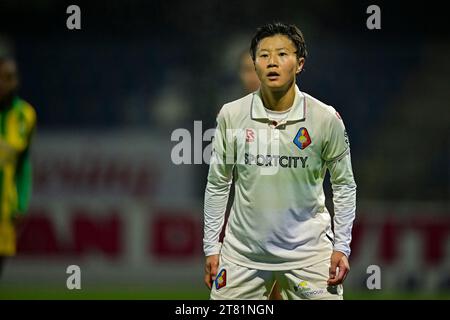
[340, 261]
[211, 265]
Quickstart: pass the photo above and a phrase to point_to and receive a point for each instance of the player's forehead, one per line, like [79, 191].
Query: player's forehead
[276, 42]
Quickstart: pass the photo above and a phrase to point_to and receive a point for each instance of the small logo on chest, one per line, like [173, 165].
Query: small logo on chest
[302, 139]
[249, 135]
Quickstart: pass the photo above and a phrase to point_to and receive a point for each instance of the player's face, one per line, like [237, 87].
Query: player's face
[276, 62]
[8, 79]
[248, 75]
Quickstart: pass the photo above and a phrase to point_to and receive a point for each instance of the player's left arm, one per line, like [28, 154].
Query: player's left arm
[336, 153]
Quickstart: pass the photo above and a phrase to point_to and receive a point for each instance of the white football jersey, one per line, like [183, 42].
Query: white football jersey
[278, 219]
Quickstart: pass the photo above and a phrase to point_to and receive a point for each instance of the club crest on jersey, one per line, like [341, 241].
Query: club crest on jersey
[302, 139]
[221, 279]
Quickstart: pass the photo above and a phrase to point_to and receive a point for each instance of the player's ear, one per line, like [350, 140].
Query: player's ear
[301, 63]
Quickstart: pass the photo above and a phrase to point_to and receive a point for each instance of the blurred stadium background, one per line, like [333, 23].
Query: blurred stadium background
[107, 196]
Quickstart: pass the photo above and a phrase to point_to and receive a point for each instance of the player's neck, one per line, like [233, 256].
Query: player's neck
[278, 100]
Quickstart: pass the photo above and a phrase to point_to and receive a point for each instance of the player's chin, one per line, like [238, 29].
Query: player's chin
[275, 86]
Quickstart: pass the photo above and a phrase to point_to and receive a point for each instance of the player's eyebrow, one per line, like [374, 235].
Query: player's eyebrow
[277, 49]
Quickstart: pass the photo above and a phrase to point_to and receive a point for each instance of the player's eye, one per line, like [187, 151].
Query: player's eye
[282, 54]
[264, 55]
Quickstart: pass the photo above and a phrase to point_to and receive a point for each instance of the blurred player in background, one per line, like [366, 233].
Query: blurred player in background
[17, 124]
[279, 228]
[247, 74]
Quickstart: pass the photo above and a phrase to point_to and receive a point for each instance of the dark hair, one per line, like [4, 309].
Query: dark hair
[289, 30]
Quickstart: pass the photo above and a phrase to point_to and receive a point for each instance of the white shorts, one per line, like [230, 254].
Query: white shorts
[237, 282]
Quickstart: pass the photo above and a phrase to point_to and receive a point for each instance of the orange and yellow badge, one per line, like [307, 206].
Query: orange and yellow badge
[7, 239]
[221, 280]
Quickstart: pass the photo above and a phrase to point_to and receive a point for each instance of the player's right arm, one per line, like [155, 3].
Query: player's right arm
[216, 195]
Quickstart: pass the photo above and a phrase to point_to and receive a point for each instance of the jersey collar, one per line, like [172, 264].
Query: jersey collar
[297, 113]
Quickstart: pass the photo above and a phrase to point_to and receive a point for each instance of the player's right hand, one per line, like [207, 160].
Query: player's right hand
[211, 266]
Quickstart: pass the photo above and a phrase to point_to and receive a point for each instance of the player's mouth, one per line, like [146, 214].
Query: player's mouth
[273, 75]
